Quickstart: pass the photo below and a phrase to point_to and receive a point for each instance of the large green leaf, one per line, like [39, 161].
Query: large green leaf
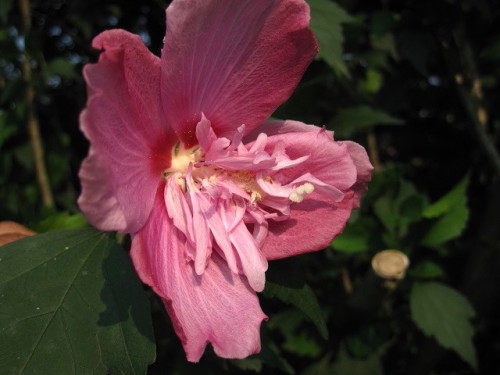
[452, 212]
[284, 282]
[327, 18]
[444, 313]
[70, 303]
[359, 118]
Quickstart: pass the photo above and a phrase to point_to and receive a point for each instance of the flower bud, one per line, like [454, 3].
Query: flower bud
[390, 264]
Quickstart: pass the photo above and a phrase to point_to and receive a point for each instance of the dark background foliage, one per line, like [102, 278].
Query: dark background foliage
[416, 82]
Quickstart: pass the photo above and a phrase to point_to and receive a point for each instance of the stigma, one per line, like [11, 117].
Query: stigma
[297, 195]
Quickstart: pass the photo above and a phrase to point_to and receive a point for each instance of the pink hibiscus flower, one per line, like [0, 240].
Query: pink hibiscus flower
[183, 158]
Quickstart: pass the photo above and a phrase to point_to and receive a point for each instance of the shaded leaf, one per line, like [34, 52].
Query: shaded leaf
[5, 6]
[426, 270]
[356, 236]
[491, 51]
[271, 356]
[445, 204]
[70, 303]
[326, 22]
[444, 313]
[382, 22]
[417, 47]
[452, 212]
[283, 283]
[6, 129]
[360, 118]
[60, 68]
[253, 364]
[345, 365]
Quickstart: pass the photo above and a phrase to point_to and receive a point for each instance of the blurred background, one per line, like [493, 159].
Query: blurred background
[415, 82]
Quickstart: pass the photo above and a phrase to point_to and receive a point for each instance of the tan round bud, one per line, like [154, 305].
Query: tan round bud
[390, 264]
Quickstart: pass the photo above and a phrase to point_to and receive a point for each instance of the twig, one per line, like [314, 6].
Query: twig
[373, 152]
[346, 281]
[32, 122]
[471, 98]
[479, 129]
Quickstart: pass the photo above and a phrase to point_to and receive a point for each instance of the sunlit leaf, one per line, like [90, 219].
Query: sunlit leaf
[71, 303]
[445, 314]
[61, 221]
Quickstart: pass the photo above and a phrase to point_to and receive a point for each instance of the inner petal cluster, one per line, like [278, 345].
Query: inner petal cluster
[222, 193]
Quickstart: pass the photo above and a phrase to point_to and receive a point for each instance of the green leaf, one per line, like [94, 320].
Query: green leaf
[445, 204]
[345, 365]
[6, 129]
[61, 221]
[356, 236]
[385, 43]
[5, 6]
[491, 51]
[452, 212]
[283, 282]
[444, 313]
[253, 364]
[426, 270]
[271, 356]
[60, 68]
[327, 18]
[382, 22]
[372, 82]
[360, 118]
[302, 344]
[71, 303]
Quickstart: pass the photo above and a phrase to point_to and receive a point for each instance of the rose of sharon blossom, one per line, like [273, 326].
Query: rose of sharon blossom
[183, 158]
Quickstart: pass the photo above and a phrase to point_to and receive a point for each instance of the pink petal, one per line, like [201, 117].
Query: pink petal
[178, 209]
[272, 127]
[97, 199]
[235, 61]
[216, 307]
[124, 123]
[202, 239]
[252, 262]
[328, 160]
[364, 169]
[314, 222]
[312, 226]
